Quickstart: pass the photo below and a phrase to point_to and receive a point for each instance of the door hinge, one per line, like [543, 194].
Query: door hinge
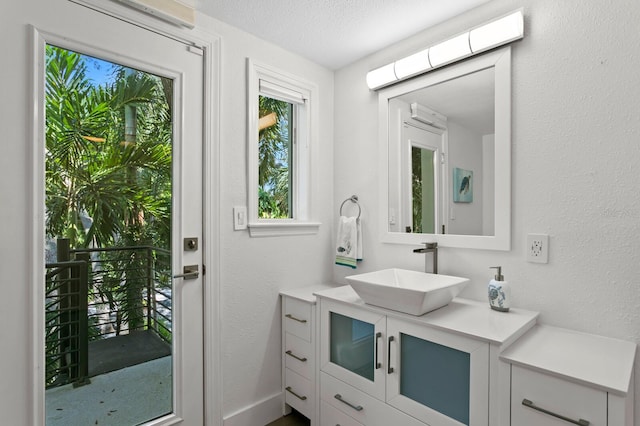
[204, 269]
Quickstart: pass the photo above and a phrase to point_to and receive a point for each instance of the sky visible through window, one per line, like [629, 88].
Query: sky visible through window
[98, 71]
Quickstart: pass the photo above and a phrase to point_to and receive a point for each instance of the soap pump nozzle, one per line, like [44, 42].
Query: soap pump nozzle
[499, 276]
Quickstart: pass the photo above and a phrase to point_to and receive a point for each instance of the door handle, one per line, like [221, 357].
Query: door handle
[189, 272]
[389, 367]
[378, 364]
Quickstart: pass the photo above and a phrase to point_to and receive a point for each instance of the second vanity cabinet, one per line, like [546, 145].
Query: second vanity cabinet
[382, 367]
[563, 377]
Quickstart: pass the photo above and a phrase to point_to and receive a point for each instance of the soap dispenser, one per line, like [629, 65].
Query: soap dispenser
[499, 292]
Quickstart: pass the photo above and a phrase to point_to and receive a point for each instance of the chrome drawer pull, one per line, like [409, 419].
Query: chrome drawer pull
[296, 319]
[288, 389]
[296, 356]
[355, 407]
[530, 404]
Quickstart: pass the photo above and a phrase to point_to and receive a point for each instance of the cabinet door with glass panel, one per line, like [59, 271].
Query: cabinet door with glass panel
[352, 347]
[440, 378]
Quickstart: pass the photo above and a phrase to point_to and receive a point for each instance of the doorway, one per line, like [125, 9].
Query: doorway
[139, 151]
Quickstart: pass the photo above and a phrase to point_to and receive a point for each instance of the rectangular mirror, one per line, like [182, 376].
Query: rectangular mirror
[445, 155]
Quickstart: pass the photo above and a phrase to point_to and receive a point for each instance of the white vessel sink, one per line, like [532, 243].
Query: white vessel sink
[402, 290]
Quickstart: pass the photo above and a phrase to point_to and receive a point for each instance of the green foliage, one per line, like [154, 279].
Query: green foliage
[103, 187]
[274, 160]
[122, 188]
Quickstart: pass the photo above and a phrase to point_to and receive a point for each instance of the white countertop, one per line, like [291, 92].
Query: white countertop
[306, 294]
[462, 316]
[598, 361]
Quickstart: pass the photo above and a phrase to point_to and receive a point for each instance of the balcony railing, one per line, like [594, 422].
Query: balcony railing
[94, 294]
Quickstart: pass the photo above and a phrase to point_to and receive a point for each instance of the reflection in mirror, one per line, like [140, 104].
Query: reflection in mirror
[454, 118]
[447, 145]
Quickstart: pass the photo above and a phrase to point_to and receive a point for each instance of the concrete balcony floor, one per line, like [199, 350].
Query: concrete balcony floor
[128, 396]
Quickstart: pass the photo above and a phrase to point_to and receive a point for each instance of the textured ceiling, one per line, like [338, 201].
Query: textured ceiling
[334, 33]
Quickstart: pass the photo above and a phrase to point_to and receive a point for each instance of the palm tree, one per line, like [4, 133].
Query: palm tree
[105, 188]
[274, 160]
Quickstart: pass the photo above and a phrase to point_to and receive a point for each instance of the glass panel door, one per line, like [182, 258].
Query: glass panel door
[121, 114]
[352, 347]
[437, 377]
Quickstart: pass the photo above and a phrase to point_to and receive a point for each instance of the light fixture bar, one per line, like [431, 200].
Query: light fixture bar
[495, 33]
[412, 65]
[450, 50]
[382, 76]
[501, 31]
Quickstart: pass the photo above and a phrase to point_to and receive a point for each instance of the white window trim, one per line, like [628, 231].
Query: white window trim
[301, 223]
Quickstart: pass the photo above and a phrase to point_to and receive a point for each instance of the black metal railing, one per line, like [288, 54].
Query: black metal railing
[66, 352]
[95, 294]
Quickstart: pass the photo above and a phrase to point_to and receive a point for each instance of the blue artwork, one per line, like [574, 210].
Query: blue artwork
[462, 185]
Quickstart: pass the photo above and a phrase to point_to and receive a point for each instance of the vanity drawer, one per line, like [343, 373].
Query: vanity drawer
[554, 395]
[297, 318]
[298, 355]
[366, 409]
[329, 416]
[299, 392]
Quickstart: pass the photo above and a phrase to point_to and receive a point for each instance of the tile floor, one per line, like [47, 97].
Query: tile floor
[293, 419]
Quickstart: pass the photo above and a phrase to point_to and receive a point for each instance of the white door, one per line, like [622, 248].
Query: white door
[422, 179]
[100, 36]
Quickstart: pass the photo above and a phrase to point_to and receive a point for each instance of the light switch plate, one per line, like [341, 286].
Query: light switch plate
[239, 218]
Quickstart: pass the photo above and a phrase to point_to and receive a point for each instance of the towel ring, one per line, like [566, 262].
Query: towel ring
[353, 199]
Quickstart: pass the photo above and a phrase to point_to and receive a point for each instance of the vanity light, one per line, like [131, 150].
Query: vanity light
[476, 40]
[381, 76]
[450, 50]
[412, 65]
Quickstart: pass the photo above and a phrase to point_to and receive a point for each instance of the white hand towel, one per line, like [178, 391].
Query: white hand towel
[359, 237]
[349, 242]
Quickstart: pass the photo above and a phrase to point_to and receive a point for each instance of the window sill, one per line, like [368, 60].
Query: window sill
[282, 228]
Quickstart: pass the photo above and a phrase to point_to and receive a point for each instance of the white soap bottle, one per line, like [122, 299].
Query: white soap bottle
[499, 292]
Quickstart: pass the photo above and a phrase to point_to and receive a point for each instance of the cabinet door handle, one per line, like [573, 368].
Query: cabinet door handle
[389, 367]
[296, 356]
[355, 407]
[296, 319]
[530, 404]
[302, 397]
[378, 337]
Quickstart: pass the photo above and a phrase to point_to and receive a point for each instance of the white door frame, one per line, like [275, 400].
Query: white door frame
[210, 43]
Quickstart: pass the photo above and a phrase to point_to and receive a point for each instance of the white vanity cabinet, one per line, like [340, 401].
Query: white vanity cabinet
[382, 367]
[561, 377]
[299, 348]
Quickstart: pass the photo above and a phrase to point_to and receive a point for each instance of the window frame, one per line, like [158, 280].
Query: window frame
[301, 222]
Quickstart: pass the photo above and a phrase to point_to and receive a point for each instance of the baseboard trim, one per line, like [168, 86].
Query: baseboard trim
[258, 414]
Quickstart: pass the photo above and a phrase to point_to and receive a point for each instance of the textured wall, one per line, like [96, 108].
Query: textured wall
[574, 162]
[253, 270]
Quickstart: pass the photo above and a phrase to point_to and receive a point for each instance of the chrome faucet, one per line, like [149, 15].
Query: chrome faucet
[429, 248]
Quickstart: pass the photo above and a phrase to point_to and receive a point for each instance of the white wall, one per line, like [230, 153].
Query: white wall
[575, 159]
[465, 152]
[253, 270]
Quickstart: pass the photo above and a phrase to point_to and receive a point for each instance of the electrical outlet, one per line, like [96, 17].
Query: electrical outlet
[538, 248]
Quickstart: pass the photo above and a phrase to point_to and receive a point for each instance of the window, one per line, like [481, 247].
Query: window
[280, 141]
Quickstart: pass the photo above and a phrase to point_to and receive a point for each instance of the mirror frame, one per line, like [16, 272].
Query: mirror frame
[500, 60]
